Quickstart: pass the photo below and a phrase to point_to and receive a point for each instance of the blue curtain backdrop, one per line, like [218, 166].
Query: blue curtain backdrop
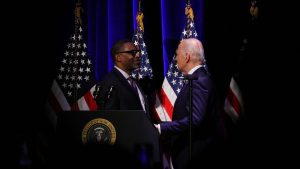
[220, 26]
[106, 21]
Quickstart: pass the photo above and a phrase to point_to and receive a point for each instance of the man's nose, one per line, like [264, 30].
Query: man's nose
[137, 55]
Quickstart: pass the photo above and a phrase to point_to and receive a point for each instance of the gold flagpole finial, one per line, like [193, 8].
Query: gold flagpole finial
[77, 12]
[139, 19]
[189, 12]
[254, 10]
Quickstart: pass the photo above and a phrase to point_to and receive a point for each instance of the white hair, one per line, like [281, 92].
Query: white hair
[195, 48]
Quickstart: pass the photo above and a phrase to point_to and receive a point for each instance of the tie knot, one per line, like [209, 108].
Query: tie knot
[131, 81]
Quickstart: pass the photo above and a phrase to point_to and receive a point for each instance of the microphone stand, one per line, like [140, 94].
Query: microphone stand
[190, 78]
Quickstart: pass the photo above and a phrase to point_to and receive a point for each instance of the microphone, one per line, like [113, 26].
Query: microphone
[190, 77]
[96, 93]
[109, 92]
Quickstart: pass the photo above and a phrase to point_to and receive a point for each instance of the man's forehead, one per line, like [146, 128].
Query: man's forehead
[181, 44]
[129, 44]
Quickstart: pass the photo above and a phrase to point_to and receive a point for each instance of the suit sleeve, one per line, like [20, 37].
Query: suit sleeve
[200, 101]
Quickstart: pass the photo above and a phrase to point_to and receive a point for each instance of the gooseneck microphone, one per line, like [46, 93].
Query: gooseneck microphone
[102, 95]
[96, 93]
[109, 92]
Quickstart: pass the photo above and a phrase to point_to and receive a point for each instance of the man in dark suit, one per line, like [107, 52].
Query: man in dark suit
[190, 59]
[118, 89]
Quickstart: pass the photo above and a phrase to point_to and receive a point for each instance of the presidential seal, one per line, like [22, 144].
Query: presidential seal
[100, 131]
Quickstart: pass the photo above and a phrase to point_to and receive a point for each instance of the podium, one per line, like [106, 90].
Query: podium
[110, 136]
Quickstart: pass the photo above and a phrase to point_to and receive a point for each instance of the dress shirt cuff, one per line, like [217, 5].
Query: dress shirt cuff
[158, 128]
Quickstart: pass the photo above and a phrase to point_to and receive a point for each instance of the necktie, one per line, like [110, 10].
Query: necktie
[133, 85]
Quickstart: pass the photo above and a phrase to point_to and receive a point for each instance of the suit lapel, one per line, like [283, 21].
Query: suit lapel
[124, 81]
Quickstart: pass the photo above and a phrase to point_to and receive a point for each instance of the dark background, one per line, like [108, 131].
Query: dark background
[37, 35]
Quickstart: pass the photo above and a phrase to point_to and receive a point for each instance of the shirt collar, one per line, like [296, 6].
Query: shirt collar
[194, 69]
[122, 72]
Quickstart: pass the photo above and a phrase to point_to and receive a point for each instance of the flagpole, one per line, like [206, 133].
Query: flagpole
[190, 78]
[139, 5]
[191, 118]
[77, 19]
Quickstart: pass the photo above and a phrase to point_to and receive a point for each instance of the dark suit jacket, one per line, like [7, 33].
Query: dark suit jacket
[204, 124]
[122, 96]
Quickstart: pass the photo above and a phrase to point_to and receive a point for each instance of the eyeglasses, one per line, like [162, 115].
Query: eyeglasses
[132, 52]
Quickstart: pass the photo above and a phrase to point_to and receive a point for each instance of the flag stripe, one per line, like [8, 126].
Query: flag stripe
[234, 101]
[60, 97]
[167, 104]
[75, 107]
[230, 110]
[160, 111]
[82, 105]
[53, 103]
[169, 92]
[235, 89]
[233, 104]
[90, 99]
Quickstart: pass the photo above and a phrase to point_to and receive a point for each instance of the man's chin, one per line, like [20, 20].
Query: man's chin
[137, 66]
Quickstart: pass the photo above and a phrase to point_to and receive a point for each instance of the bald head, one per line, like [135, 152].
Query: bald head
[194, 47]
[189, 54]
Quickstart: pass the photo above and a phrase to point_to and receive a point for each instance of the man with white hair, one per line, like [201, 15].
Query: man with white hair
[190, 60]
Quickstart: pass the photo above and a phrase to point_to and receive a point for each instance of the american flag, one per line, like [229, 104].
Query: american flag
[72, 88]
[145, 69]
[233, 104]
[173, 81]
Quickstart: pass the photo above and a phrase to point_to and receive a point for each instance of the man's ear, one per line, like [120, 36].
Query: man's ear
[117, 57]
[187, 57]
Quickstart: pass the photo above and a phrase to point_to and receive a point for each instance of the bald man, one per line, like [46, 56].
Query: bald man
[190, 59]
